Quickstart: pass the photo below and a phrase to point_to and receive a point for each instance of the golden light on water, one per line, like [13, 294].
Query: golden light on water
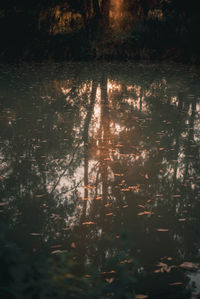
[113, 86]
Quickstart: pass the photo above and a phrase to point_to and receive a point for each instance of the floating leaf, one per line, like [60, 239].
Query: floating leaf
[196, 294]
[169, 258]
[89, 187]
[157, 271]
[3, 204]
[56, 251]
[126, 262]
[109, 214]
[111, 271]
[73, 245]
[56, 246]
[108, 205]
[163, 268]
[146, 176]
[162, 229]
[88, 223]
[109, 280]
[189, 265]
[35, 234]
[176, 283]
[141, 296]
[134, 188]
[141, 206]
[145, 213]
[126, 206]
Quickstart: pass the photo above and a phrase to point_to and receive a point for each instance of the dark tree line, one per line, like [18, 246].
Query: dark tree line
[97, 9]
[141, 34]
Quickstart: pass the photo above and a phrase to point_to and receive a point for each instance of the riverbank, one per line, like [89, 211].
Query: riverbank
[152, 39]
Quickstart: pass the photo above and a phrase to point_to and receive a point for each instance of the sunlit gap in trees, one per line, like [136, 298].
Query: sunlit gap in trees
[116, 14]
[61, 19]
[58, 20]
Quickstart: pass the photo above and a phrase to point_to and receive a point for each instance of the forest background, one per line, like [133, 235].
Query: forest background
[100, 29]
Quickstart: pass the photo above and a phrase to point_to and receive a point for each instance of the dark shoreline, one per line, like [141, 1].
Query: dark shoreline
[78, 47]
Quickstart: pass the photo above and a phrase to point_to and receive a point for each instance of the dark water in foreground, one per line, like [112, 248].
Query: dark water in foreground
[101, 163]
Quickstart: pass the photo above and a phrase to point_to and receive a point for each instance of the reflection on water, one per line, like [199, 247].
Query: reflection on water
[102, 161]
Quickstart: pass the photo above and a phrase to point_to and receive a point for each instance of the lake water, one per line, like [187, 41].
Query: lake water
[101, 162]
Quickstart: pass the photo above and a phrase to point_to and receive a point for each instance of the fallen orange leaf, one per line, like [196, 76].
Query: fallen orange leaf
[176, 283]
[189, 265]
[141, 296]
[73, 245]
[145, 213]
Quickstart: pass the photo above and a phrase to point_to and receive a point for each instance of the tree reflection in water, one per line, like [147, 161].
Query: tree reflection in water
[102, 162]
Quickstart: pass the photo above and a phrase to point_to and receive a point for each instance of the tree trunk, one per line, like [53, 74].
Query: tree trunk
[96, 8]
[105, 135]
[105, 9]
[86, 147]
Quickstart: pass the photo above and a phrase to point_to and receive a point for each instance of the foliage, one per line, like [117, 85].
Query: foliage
[42, 276]
[173, 35]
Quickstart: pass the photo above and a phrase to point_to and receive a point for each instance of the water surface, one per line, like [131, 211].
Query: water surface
[101, 161]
